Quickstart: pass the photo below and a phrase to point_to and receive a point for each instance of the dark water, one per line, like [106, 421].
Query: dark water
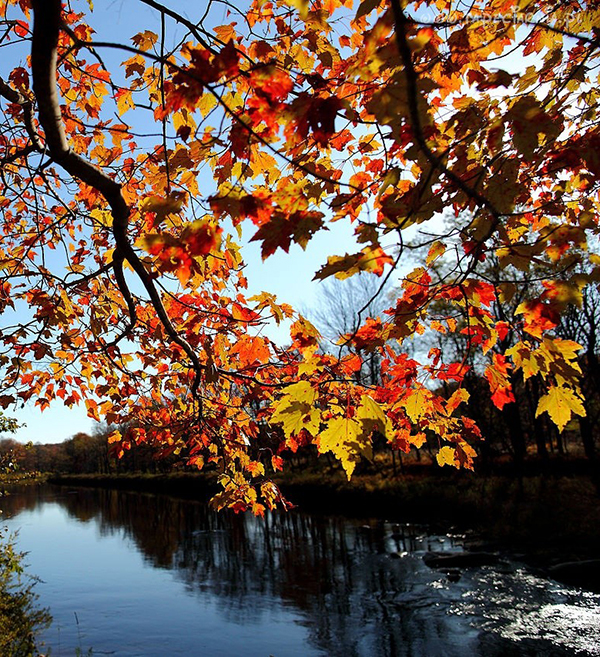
[135, 574]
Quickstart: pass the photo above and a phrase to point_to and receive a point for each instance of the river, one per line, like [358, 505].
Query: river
[144, 575]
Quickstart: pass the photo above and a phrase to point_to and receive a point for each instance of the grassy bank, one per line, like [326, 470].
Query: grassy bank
[11, 478]
[547, 518]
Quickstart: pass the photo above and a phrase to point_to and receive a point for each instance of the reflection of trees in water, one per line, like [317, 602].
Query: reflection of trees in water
[339, 576]
[17, 498]
[355, 598]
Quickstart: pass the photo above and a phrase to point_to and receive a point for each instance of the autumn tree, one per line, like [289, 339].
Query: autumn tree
[128, 166]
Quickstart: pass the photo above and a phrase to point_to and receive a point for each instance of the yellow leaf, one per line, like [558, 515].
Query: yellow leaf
[206, 103]
[348, 442]
[307, 367]
[103, 217]
[301, 391]
[296, 411]
[92, 409]
[262, 163]
[145, 40]
[458, 397]
[225, 32]
[373, 417]
[446, 456]
[297, 416]
[418, 440]
[372, 259]
[530, 362]
[567, 349]
[391, 180]
[415, 405]
[301, 6]
[114, 437]
[183, 119]
[560, 403]
[124, 101]
[436, 250]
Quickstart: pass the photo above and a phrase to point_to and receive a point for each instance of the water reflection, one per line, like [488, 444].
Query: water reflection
[357, 588]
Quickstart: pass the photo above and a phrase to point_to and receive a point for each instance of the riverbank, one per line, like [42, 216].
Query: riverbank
[12, 478]
[543, 518]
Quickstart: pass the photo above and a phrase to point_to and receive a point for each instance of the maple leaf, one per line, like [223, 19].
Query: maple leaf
[298, 417]
[366, 7]
[295, 410]
[250, 350]
[538, 317]
[436, 250]
[529, 121]
[255, 468]
[145, 40]
[372, 416]
[280, 230]
[496, 79]
[271, 82]
[560, 403]
[163, 207]
[369, 259]
[321, 118]
[497, 375]
[415, 404]
[479, 292]
[304, 334]
[370, 335]
[114, 437]
[347, 440]
[446, 456]
[20, 77]
[201, 237]
[458, 397]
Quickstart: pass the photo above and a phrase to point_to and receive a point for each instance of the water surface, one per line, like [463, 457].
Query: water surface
[143, 575]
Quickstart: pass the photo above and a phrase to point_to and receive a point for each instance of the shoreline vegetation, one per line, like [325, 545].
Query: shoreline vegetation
[21, 618]
[544, 516]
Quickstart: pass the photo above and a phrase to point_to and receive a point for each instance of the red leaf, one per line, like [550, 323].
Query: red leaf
[21, 28]
[201, 237]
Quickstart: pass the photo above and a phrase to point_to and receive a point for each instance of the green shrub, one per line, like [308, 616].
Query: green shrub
[20, 617]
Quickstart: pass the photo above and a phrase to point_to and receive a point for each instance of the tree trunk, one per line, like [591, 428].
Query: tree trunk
[533, 396]
[587, 437]
[516, 434]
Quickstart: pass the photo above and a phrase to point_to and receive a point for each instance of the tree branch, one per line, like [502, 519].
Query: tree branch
[13, 96]
[46, 28]
[400, 27]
